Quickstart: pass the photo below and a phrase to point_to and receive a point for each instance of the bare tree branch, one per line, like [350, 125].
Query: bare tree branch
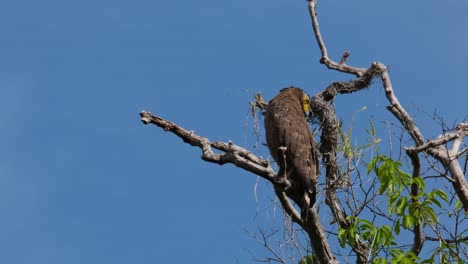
[264, 241]
[322, 107]
[342, 67]
[435, 143]
[233, 154]
[440, 153]
[448, 158]
[433, 148]
[288, 207]
[449, 241]
[244, 159]
[461, 131]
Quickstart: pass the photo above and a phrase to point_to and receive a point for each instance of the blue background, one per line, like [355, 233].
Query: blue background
[82, 180]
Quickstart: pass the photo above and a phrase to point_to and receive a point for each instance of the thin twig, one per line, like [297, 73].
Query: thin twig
[341, 66]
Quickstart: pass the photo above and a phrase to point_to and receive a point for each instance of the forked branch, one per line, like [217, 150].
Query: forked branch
[323, 109]
[341, 66]
[244, 159]
[447, 157]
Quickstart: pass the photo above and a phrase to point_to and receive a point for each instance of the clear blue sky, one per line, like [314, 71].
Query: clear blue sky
[83, 181]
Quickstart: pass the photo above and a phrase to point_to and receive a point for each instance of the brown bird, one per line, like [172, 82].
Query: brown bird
[291, 144]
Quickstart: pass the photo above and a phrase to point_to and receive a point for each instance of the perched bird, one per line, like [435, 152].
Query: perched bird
[291, 144]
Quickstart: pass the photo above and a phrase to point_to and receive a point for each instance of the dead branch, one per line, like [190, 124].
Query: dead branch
[233, 154]
[264, 241]
[442, 154]
[435, 143]
[449, 241]
[244, 159]
[341, 66]
[449, 159]
[322, 108]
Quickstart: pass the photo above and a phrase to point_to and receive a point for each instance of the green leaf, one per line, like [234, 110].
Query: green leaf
[397, 253]
[415, 210]
[384, 183]
[429, 214]
[307, 260]
[366, 225]
[405, 178]
[371, 164]
[392, 186]
[396, 228]
[419, 182]
[384, 236]
[441, 194]
[408, 221]
[401, 206]
[411, 256]
[374, 133]
[379, 261]
[436, 202]
[367, 229]
[429, 260]
[342, 235]
[444, 258]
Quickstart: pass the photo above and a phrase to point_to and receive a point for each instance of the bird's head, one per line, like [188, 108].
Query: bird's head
[300, 95]
[306, 105]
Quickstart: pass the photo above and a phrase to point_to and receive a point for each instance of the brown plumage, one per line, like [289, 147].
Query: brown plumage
[291, 144]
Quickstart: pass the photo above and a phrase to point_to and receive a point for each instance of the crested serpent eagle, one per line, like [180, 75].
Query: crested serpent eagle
[291, 144]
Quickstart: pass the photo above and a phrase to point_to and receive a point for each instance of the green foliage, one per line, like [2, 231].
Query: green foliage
[409, 204]
[392, 178]
[442, 255]
[349, 150]
[398, 256]
[374, 140]
[410, 210]
[366, 231]
[307, 260]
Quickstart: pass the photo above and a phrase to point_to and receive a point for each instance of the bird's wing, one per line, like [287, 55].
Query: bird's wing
[301, 152]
